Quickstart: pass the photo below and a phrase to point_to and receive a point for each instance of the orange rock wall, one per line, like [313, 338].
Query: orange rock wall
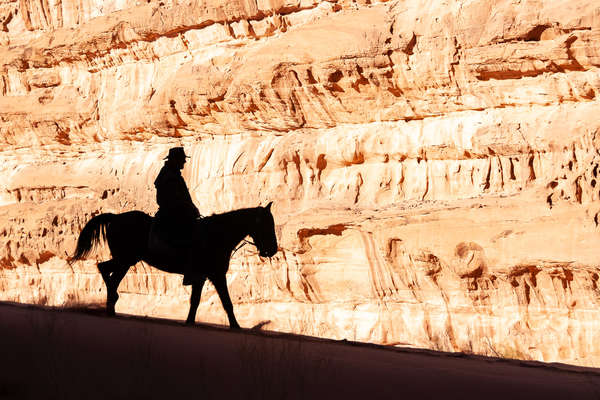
[433, 165]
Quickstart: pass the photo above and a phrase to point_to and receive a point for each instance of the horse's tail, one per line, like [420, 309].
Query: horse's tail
[91, 235]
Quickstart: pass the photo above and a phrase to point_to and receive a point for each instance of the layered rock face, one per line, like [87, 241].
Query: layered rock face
[433, 165]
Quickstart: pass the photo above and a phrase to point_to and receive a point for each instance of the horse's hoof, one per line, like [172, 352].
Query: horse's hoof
[235, 328]
[190, 322]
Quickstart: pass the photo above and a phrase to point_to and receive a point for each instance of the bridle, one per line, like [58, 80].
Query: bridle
[244, 242]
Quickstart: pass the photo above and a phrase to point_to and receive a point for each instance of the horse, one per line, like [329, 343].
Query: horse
[214, 239]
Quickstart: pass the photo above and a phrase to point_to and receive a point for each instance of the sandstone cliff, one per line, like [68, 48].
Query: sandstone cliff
[433, 165]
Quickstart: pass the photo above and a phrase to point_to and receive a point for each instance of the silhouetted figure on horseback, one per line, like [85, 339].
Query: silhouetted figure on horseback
[176, 240]
[177, 215]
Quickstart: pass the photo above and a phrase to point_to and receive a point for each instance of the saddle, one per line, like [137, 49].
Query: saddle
[156, 244]
[162, 245]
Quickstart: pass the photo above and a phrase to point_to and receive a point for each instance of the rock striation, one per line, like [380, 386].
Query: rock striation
[433, 165]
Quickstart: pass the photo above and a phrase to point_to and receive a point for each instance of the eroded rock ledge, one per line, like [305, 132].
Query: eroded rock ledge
[434, 167]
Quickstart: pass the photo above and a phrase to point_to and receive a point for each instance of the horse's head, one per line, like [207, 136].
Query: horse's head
[263, 232]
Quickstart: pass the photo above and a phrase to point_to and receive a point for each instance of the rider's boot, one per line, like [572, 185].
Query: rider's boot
[192, 268]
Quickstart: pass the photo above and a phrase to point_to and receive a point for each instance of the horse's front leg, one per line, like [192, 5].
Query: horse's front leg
[220, 283]
[195, 300]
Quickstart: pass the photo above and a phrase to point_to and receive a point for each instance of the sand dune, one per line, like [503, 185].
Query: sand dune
[81, 354]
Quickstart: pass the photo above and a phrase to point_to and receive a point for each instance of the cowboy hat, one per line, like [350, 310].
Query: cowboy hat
[176, 153]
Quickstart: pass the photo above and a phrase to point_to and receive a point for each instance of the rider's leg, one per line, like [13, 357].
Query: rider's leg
[191, 272]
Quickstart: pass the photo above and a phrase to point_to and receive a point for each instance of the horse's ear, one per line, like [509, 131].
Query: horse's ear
[268, 207]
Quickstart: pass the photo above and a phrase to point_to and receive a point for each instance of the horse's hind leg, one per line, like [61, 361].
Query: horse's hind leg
[195, 300]
[106, 268]
[112, 272]
[112, 295]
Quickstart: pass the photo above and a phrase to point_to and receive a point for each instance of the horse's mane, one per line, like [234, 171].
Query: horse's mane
[229, 216]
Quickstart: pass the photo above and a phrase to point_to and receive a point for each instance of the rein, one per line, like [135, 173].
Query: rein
[244, 242]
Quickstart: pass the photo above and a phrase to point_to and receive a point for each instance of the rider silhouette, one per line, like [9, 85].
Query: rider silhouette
[177, 213]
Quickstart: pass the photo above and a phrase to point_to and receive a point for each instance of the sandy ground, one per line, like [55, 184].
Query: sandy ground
[81, 354]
